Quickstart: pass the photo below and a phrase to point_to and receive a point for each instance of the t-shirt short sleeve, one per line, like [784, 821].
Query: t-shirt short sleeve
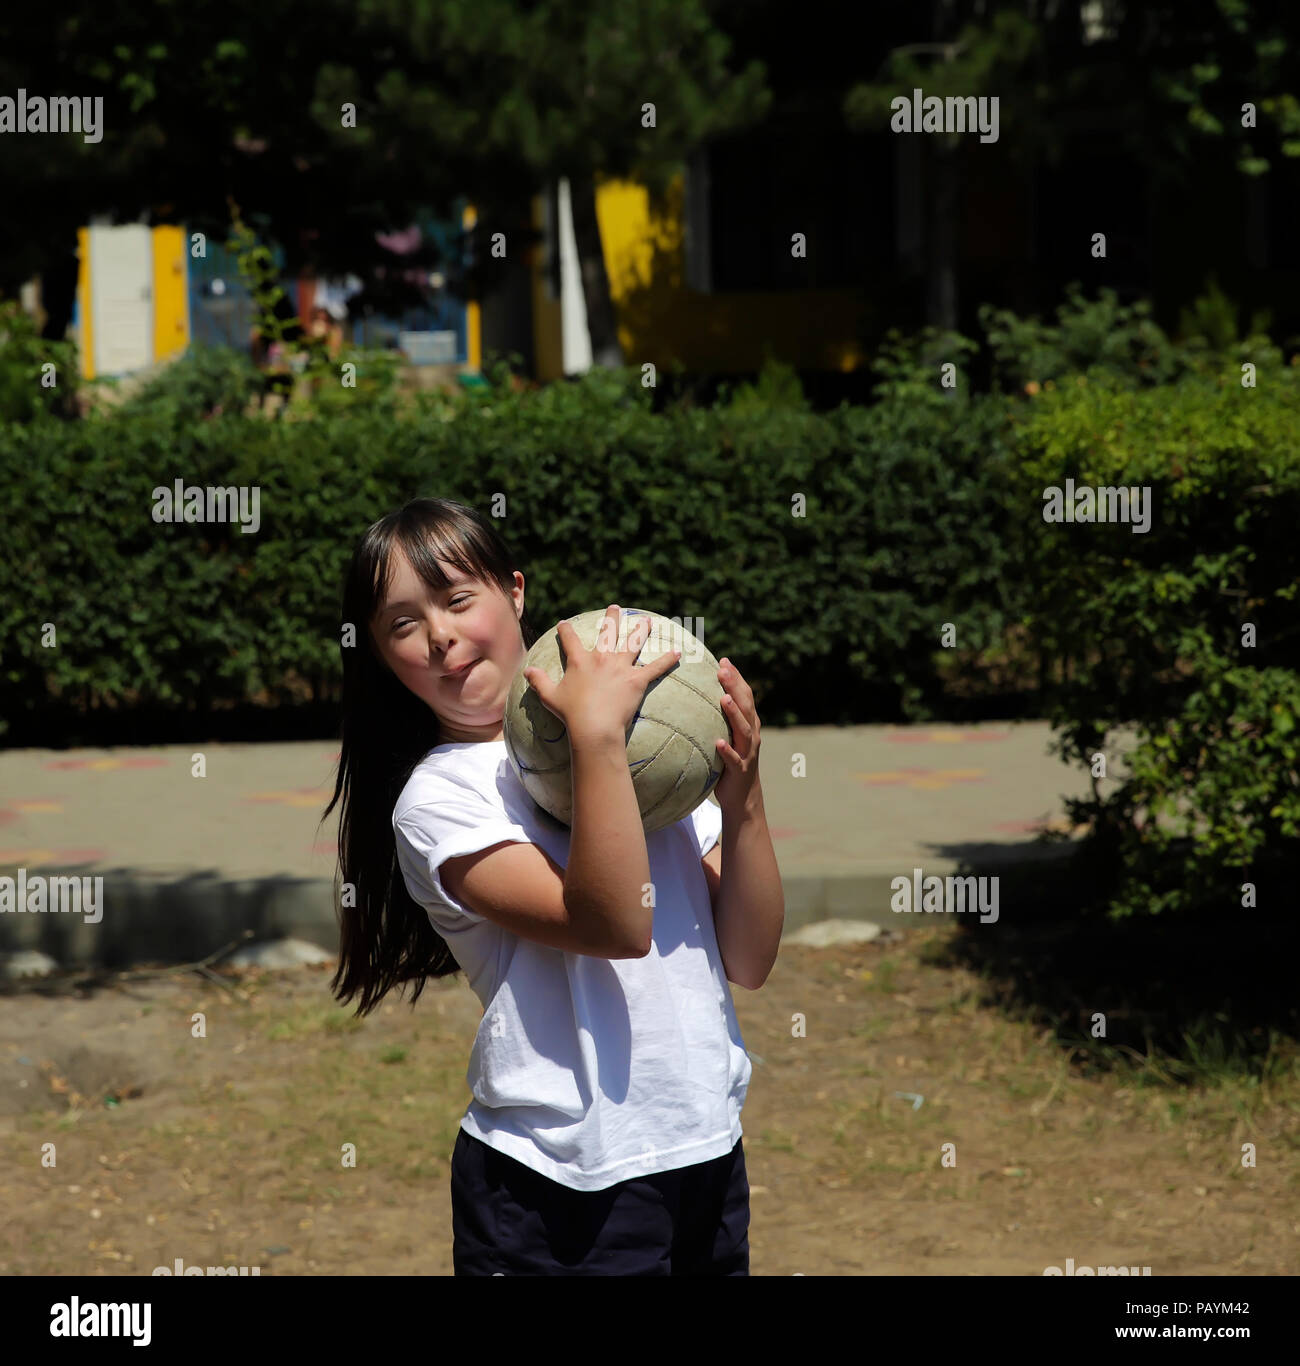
[707, 822]
[455, 822]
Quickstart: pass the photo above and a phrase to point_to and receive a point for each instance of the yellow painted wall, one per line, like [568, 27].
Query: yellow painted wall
[473, 313]
[171, 318]
[85, 322]
[663, 321]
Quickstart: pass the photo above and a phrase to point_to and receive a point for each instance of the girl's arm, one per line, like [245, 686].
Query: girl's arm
[750, 911]
[608, 866]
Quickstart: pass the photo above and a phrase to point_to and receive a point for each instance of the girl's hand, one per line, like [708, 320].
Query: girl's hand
[741, 756]
[602, 688]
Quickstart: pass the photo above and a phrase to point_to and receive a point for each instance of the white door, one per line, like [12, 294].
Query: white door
[121, 285]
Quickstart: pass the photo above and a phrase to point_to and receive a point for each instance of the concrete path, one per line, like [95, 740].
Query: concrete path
[189, 861]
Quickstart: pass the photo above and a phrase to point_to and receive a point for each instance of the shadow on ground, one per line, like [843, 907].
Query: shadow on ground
[1184, 994]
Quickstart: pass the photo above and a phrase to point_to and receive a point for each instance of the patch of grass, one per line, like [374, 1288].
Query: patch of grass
[934, 952]
[882, 1168]
[305, 1021]
[1185, 1008]
[1213, 1056]
[882, 978]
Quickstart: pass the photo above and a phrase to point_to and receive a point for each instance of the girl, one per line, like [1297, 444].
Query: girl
[608, 1072]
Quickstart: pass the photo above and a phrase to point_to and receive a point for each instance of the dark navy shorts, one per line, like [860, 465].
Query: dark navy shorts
[509, 1220]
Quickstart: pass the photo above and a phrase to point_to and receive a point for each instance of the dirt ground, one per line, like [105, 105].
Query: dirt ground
[225, 1150]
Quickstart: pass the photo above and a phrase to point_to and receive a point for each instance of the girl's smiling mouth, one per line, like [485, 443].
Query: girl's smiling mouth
[461, 672]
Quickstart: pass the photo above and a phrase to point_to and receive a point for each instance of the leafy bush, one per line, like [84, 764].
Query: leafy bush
[1100, 338]
[208, 381]
[202, 382]
[777, 386]
[908, 367]
[25, 391]
[1154, 631]
[1090, 336]
[897, 536]
[373, 381]
[1210, 322]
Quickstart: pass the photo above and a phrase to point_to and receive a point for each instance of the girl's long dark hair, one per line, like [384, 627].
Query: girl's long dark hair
[386, 937]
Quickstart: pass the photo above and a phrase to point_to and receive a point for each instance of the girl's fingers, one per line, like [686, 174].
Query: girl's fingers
[735, 714]
[730, 678]
[666, 661]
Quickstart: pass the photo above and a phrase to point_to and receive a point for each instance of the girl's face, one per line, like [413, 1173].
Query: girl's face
[422, 634]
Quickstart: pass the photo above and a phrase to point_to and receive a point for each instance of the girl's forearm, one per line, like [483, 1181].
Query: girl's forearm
[608, 865]
[750, 913]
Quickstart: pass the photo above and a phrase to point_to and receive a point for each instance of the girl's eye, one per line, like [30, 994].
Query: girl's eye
[405, 622]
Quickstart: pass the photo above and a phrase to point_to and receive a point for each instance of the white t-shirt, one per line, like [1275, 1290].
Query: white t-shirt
[588, 1070]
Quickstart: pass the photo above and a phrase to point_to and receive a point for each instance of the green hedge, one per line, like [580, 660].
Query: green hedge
[1150, 630]
[922, 511]
[38, 378]
[690, 512]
